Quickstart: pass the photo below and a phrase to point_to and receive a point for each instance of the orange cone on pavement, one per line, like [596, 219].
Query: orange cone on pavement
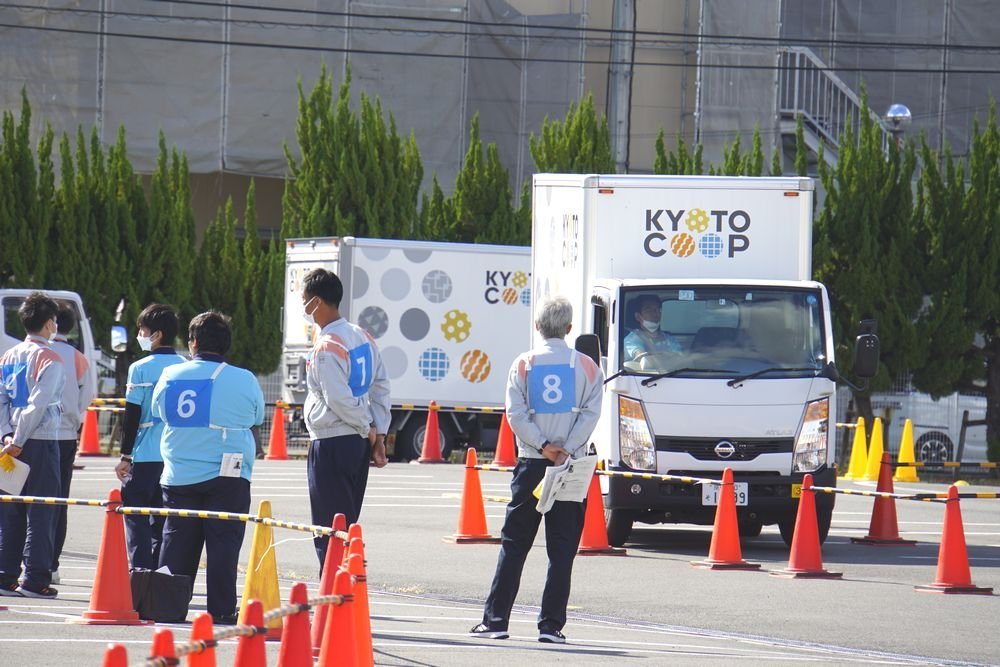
[111, 596]
[875, 450]
[334, 556]
[506, 452]
[202, 630]
[953, 575]
[115, 656]
[354, 532]
[907, 454]
[296, 642]
[884, 529]
[594, 539]
[806, 559]
[859, 453]
[472, 513]
[431, 452]
[90, 441]
[250, 651]
[724, 553]
[362, 613]
[338, 648]
[163, 645]
[277, 445]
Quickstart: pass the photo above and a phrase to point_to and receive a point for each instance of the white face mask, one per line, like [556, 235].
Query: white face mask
[650, 326]
[306, 315]
[145, 343]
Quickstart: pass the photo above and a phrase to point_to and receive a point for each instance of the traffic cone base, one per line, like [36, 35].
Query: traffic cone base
[459, 539]
[431, 451]
[881, 542]
[805, 574]
[472, 512]
[724, 565]
[605, 551]
[950, 589]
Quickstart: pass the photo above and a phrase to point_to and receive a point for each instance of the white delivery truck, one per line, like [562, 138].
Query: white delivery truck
[716, 344]
[449, 319]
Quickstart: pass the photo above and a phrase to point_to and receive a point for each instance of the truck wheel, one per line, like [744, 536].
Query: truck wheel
[824, 517]
[410, 440]
[750, 527]
[619, 524]
[934, 447]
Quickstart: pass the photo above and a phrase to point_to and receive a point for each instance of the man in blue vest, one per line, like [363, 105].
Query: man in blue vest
[208, 409]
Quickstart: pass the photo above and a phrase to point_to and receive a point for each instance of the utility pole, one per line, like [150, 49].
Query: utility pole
[620, 80]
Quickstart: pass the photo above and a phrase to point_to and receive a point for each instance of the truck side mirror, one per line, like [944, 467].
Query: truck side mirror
[119, 338]
[590, 345]
[866, 351]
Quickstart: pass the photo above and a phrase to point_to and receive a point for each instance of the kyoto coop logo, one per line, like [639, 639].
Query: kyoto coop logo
[684, 232]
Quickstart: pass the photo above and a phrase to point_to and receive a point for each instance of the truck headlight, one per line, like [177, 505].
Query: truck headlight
[810, 445]
[635, 436]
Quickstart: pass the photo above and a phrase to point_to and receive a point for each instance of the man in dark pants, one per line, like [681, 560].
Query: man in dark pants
[346, 409]
[79, 389]
[141, 461]
[208, 409]
[31, 381]
[553, 404]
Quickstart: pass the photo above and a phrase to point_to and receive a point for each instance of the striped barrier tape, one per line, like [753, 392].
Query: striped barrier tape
[108, 401]
[944, 464]
[495, 468]
[43, 500]
[105, 409]
[926, 497]
[846, 425]
[626, 475]
[450, 408]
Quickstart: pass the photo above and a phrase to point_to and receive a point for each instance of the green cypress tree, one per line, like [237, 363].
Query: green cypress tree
[679, 162]
[579, 144]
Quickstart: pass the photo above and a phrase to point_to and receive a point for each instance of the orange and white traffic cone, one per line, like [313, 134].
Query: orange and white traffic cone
[90, 441]
[953, 575]
[506, 452]
[594, 538]
[724, 553]
[806, 560]
[472, 513]
[884, 529]
[431, 452]
[277, 445]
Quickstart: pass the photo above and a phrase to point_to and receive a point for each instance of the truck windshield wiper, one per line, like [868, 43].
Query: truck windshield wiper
[738, 380]
[677, 371]
[624, 371]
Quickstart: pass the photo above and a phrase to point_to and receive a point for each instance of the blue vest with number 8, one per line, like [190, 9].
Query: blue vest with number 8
[188, 403]
[15, 381]
[552, 388]
[360, 377]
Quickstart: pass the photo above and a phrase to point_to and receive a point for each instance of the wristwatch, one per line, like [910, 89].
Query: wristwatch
[126, 457]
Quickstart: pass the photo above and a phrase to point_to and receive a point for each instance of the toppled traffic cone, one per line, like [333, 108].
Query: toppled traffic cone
[362, 614]
[296, 642]
[472, 512]
[875, 451]
[953, 575]
[163, 645]
[907, 454]
[338, 649]
[250, 651]
[806, 560]
[884, 529]
[859, 453]
[277, 444]
[262, 573]
[724, 553]
[334, 556]
[115, 656]
[506, 452]
[431, 451]
[202, 631]
[90, 441]
[594, 538]
[111, 597]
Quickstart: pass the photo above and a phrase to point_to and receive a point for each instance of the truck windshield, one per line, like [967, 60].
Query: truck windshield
[736, 328]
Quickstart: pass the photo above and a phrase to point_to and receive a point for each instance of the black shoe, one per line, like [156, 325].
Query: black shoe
[486, 632]
[549, 636]
[225, 619]
[46, 593]
[10, 590]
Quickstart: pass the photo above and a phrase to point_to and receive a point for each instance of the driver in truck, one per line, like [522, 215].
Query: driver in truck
[647, 337]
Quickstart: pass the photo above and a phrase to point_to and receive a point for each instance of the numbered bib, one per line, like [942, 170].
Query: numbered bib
[188, 403]
[15, 381]
[360, 378]
[552, 389]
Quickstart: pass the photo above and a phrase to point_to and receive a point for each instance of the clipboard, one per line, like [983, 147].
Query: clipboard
[13, 475]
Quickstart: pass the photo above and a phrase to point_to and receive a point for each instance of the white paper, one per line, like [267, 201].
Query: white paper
[232, 465]
[568, 482]
[12, 483]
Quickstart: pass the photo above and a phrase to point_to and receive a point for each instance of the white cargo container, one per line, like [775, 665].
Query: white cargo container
[747, 380]
[449, 319]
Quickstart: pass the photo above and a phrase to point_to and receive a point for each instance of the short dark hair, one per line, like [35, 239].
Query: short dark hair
[211, 331]
[66, 318]
[159, 317]
[324, 284]
[36, 310]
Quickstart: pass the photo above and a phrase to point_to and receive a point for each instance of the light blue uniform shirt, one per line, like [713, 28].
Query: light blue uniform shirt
[142, 377]
[207, 408]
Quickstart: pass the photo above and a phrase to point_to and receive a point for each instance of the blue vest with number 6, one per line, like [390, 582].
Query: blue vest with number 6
[552, 388]
[188, 403]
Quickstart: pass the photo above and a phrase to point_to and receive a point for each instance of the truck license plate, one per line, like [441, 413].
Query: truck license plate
[710, 493]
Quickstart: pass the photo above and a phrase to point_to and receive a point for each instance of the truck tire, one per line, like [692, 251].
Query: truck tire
[824, 517]
[410, 440]
[619, 524]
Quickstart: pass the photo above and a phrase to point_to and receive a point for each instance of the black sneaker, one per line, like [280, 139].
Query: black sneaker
[225, 619]
[486, 632]
[10, 590]
[46, 593]
[548, 636]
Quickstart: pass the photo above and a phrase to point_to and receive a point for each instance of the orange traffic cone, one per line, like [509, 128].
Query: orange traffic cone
[362, 614]
[431, 452]
[338, 635]
[506, 452]
[334, 556]
[724, 553]
[277, 445]
[806, 560]
[953, 575]
[202, 630]
[111, 597]
[594, 539]
[353, 533]
[90, 441]
[884, 529]
[296, 644]
[163, 645]
[250, 651]
[115, 656]
[472, 513]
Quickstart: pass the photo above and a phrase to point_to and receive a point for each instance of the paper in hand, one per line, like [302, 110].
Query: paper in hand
[568, 482]
[13, 475]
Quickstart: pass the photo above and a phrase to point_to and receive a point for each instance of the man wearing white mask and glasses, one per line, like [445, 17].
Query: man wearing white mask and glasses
[647, 337]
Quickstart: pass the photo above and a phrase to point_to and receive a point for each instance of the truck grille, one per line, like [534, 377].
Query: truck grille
[743, 449]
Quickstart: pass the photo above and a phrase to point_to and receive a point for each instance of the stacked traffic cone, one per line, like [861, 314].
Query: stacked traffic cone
[431, 451]
[338, 647]
[859, 453]
[296, 642]
[334, 556]
[277, 445]
[594, 539]
[472, 513]
[202, 631]
[163, 646]
[111, 597]
[362, 614]
[724, 553]
[884, 529]
[953, 575]
[90, 441]
[353, 533]
[806, 560]
[250, 651]
[506, 452]
[115, 656]
[907, 454]
[875, 450]
[262, 573]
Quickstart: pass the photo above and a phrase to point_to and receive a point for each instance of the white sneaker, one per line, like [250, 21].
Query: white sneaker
[55, 577]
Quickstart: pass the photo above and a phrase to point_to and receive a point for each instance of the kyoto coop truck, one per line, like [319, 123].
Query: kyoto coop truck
[734, 367]
[448, 319]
